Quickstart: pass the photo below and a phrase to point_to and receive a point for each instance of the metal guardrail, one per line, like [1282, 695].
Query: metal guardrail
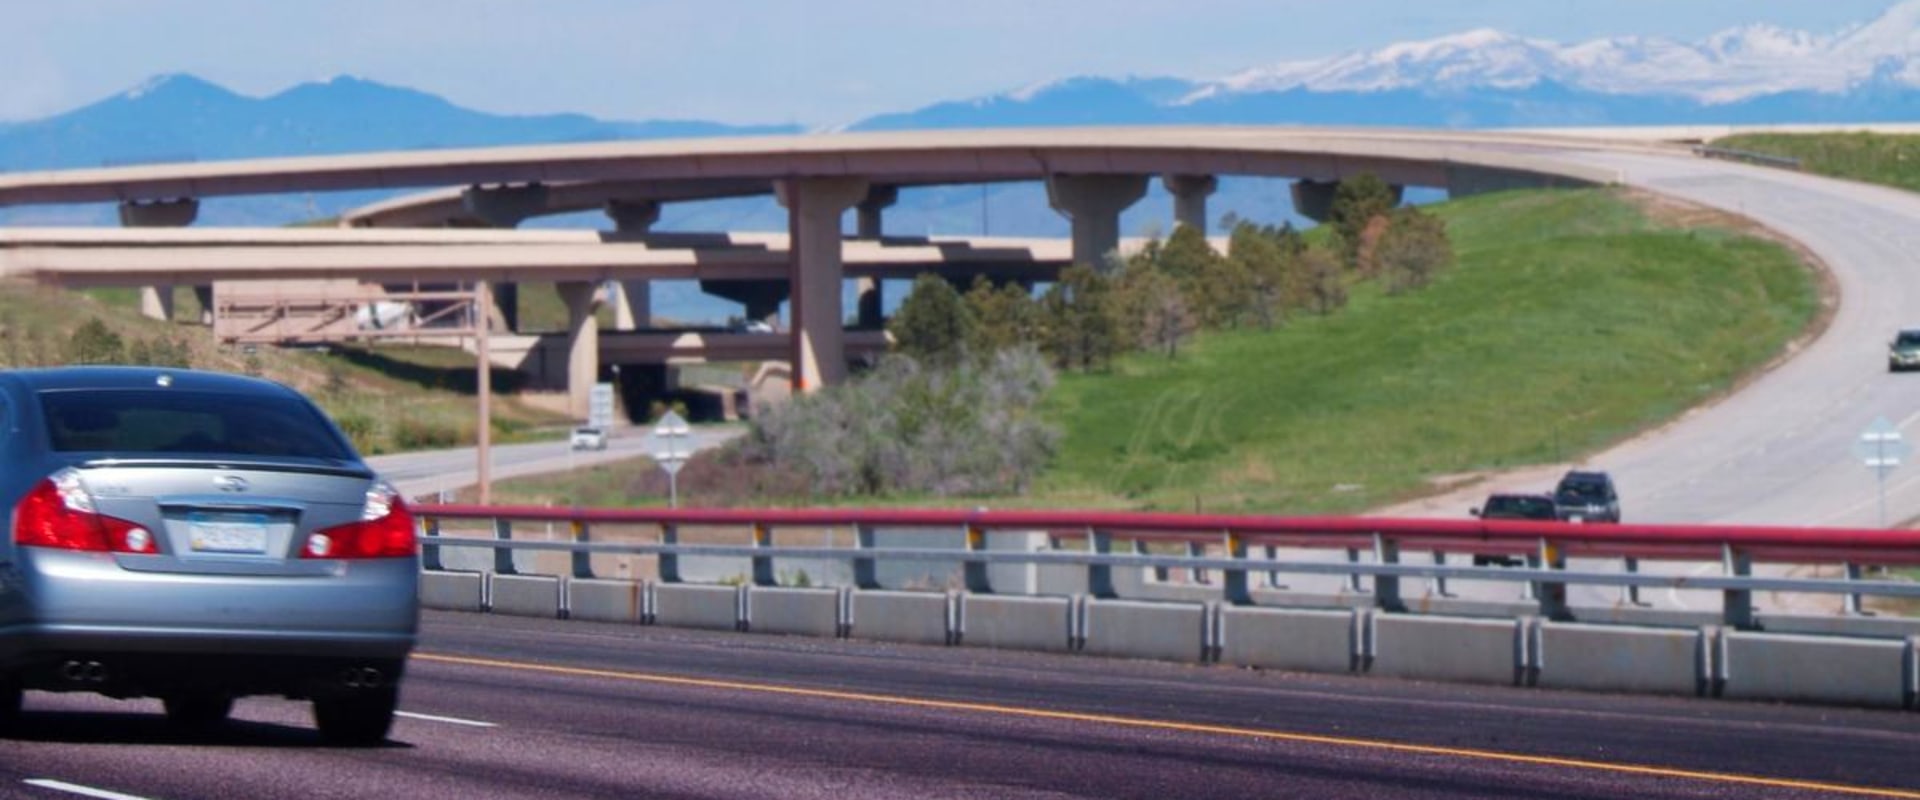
[1747, 157]
[1544, 545]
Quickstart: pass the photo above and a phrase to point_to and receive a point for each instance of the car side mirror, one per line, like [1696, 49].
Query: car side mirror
[1474, 512]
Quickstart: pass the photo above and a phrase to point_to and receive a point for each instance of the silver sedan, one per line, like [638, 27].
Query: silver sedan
[197, 537]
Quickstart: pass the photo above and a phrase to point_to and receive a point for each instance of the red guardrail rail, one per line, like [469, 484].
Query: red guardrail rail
[1760, 544]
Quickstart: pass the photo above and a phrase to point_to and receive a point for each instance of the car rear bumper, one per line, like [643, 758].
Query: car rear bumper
[146, 662]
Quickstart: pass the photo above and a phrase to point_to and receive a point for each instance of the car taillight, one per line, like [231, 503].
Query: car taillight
[58, 513]
[385, 530]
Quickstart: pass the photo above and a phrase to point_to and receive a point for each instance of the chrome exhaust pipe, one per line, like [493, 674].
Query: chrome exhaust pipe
[362, 678]
[75, 671]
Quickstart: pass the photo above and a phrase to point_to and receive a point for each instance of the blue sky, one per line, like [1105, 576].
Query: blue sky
[813, 62]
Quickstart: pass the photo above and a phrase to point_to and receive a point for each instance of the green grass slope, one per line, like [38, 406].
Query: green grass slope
[1886, 159]
[1570, 322]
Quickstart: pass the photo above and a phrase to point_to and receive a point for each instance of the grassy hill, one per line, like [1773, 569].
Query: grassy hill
[1572, 320]
[390, 398]
[1886, 159]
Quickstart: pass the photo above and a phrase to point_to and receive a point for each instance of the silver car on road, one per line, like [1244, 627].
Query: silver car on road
[197, 537]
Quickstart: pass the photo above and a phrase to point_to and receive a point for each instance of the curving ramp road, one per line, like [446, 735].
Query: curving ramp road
[1779, 452]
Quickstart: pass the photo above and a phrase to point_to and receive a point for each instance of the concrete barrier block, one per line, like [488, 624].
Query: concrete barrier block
[1446, 649]
[696, 605]
[1305, 640]
[1613, 658]
[526, 595]
[1767, 666]
[452, 591]
[1016, 623]
[916, 617]
[1163, 631]
[604, 600]
[803, 612]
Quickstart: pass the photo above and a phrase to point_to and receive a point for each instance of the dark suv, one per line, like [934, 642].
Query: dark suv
[1502, 505]
[1584, 496]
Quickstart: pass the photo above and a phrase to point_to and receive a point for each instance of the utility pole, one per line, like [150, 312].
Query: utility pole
[483, 446]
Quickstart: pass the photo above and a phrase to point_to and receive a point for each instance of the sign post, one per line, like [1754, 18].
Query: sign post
[669, 445]
[1881, 449]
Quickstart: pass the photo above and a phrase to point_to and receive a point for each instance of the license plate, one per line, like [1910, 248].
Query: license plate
[227, 533]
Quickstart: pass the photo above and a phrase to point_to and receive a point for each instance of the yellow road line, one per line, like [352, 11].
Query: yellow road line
[1166, 725]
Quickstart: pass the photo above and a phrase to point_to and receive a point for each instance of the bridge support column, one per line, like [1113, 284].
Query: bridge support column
[762, 298]
[633, 300]
[505, 206]
[814, 207]
[878, 199]
[872, 300]
[156, 302]
[583, 345]
[1314, 199]
[1190, 194]
[1093, 203]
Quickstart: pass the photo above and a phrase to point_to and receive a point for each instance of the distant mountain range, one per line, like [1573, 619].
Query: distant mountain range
[1478, 79]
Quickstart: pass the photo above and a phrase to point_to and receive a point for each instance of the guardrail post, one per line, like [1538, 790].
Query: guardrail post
[1386, 588]
[976, 571]
[1438, 585]
[430, 552]
[1737, 608]
[1353, 578]
[669, 562]
[503, 556]
[1851, 602]
[866, 574]
[1200, 576]
[763, 564]
[1631, 592]
[1100, 576]
[1551, 594]
[1273, 576]
[582, 560]
[1235, 588]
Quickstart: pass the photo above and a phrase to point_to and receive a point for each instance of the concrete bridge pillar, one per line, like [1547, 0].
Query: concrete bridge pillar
[762, 298]
[814, 207]
[583, 345]
[1314, 199]
[878, 199]
[632, 300]
[156, 302]
[1093, 203]
[505, 206]
[1190, 194]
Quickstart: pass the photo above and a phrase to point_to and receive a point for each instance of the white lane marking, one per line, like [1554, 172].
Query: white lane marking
[88, 791]
[449, 720]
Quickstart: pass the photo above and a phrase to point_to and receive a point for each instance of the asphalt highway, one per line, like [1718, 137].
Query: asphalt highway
[507, 708]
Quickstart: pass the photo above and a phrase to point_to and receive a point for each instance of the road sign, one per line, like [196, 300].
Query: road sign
[670, 444]
[600, 406]
[1881, 448]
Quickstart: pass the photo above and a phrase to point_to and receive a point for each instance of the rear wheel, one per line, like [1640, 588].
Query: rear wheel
[9, 703]
[198, 709]
[361, 719]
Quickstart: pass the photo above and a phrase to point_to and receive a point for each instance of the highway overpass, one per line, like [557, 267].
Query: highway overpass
[1091, 176]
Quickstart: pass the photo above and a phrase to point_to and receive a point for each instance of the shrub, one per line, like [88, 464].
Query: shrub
[93, 343]
[967, 429]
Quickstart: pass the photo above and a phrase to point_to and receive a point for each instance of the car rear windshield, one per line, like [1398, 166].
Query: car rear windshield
[1524, 507]
[1582, 491]
[142, 421]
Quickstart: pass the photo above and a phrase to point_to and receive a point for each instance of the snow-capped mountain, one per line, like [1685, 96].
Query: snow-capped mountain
[1730, 66]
